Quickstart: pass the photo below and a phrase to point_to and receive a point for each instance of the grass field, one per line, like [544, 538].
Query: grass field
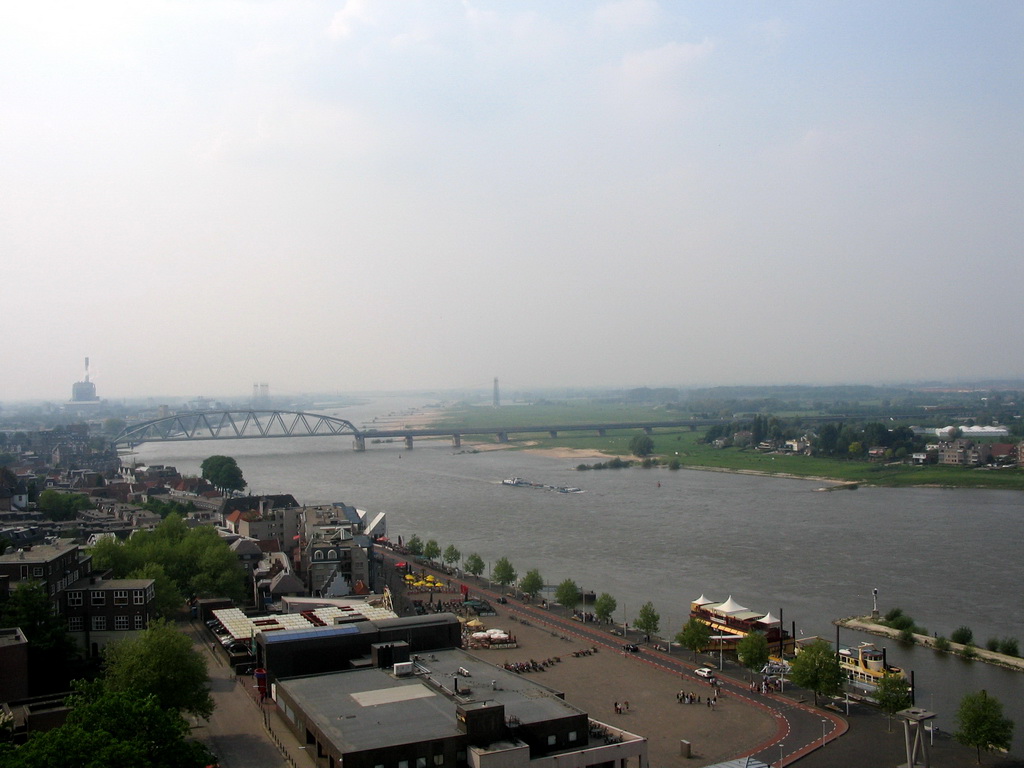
[682, 445]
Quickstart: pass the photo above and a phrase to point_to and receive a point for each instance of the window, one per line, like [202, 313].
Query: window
[74, 599]
[121, 623]
[421, 762]
[37, 570]
[138, 597]
[551, 740]
[140, 621]
[120, 597]
[332, 555]
[98, 597]
[75, 624]
[99, 623]
[318, 555]
[403, 764]
[438, 759]
[572, 736]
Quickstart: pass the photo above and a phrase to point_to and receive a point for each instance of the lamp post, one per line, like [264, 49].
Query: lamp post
[780, 754]
[824, 722]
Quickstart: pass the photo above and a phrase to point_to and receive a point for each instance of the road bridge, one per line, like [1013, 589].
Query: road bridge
[257, 424]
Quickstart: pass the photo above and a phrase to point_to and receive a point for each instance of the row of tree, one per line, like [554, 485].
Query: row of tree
[816, 667]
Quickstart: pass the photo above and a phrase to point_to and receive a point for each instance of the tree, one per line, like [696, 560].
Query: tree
[414, 545]
[112, 729]
[451, 555]
[605, 606]
[432, 550]
[49, 648]
[752, 651]
[532, 583]
[161, 662]
[504, 573]
[980, 723]
[168, 600]
[892, 695]
[817, 668]
[695, 635]
[475, 564]
[648, 620]
[568, 594]
[223, 472]
[641, 445]
[62, 506]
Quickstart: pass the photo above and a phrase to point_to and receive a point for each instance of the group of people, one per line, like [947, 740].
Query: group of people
[620, 708]
[766, 686]
[711, 701]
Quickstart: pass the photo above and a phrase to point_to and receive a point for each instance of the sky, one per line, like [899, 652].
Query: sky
[381, 195]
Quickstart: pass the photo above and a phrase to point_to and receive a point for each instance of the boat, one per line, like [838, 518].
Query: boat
[865, 665]
[569, 489]
[515, 481]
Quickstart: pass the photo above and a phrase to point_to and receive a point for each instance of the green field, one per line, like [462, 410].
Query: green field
[682, 445]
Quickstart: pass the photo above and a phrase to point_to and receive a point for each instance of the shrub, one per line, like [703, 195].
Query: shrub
[894, 614]
[992, 644]
[1008, 646]
[907, 635]
[902, 622]
[582, 467]
[674, 464]
[969, 651]
[941, 644]
[963, 635]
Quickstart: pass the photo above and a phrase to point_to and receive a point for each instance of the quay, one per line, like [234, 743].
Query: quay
[776, 729]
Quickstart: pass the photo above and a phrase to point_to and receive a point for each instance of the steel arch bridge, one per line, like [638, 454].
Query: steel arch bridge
[234, 425]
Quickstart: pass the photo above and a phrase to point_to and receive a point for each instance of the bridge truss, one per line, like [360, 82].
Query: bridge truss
[235, 425]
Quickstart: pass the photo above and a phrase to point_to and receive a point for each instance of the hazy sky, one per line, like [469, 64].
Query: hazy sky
[342, 196]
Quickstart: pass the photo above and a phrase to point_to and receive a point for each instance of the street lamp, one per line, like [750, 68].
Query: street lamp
[824, 722]
[780, 754]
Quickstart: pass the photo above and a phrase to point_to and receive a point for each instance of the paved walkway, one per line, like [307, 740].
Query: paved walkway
[242, 732]
[743, 724]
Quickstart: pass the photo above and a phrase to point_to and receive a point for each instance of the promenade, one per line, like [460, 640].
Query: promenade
[741, 724]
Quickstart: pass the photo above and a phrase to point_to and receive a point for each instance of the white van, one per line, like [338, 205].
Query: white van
[704, 672]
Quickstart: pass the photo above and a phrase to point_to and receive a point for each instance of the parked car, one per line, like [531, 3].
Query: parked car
[705, 672]
[631, 647]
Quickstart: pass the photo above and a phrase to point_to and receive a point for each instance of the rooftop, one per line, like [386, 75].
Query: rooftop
[372, 708]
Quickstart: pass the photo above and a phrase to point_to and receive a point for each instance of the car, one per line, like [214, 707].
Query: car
[705, 672]
[631, 647]
[502, 600]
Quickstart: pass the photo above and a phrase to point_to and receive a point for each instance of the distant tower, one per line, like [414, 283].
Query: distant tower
[84, 391]
[497, 397]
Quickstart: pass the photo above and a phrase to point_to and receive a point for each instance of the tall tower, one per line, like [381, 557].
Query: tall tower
[497, 397]
[84, 391]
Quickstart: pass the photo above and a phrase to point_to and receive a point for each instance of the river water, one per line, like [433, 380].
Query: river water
[947, 557]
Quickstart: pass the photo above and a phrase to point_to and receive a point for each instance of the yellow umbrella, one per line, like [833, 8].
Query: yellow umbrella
[410, 577]
[420, 584]
[430, 577]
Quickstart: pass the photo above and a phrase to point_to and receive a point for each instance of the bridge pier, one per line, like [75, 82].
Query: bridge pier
[552, 433]
[457, 441]
[503, 437]
[408, 442]
[359, 443]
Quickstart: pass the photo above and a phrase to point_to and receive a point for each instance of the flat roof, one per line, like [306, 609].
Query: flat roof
[365, 709]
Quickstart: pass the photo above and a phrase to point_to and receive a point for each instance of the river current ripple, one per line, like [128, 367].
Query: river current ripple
[947, 557]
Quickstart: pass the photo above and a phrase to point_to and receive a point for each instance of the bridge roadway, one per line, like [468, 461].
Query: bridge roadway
[502, 433]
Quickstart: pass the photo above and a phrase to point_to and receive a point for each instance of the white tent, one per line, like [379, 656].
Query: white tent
[728, 607]
[768, 619]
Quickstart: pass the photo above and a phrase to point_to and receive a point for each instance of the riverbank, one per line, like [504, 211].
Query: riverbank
[865, 624]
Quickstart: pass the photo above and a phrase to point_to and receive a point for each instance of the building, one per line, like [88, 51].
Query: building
[100, 611]
[964, 453]
[57, 564]
[446, 709]
[97, 610]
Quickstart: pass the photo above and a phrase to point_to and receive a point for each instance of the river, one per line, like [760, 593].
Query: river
[947, 557]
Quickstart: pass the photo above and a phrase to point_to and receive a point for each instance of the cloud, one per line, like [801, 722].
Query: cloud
[355, 13]
[625, 13]
[660, 64]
